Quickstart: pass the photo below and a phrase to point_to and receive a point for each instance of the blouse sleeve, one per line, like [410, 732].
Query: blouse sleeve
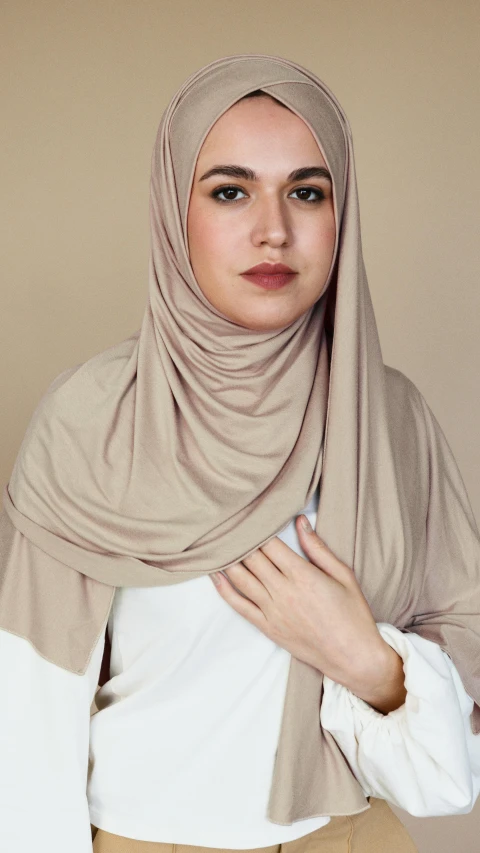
[422, 757]
[44, 750]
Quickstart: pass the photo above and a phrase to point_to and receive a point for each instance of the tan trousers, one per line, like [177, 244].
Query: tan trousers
[376, 830]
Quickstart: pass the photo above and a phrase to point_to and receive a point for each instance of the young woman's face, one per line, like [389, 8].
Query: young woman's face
[235, 223]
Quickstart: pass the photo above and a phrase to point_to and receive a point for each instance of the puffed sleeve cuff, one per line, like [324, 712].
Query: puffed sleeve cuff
[422, 756]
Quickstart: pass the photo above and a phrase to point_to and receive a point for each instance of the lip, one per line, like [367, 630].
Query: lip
[269, 269]
[270, 282]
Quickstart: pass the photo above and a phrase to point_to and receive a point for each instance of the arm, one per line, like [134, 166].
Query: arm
[44, 750]
[423, 756]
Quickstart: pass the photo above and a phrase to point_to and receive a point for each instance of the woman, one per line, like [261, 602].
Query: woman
[318, 678]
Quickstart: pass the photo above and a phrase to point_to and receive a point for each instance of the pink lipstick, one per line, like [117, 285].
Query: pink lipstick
[270, 276]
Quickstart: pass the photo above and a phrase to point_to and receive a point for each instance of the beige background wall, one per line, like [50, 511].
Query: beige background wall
[84, 86]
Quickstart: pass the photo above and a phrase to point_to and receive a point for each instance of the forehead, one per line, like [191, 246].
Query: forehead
[262, 129]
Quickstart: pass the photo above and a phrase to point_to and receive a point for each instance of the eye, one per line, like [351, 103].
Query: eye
[231, 191]
[320, 194]
[216, 193]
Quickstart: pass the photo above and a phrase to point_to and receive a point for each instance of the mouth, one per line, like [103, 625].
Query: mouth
[268, 269]
[270, 276]
[270, 282]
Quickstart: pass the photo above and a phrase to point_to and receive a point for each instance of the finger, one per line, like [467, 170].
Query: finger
[248, 583]
[266, 571]
[288, 561]
[246, 608]
[319, 553]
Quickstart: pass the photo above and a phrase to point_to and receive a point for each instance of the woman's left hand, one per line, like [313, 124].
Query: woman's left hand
[316, 610]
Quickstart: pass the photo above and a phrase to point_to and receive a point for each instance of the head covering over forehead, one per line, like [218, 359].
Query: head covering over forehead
[185, 447]
[201, 103]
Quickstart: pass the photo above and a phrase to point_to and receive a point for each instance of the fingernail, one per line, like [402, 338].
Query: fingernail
[214, 577]
[306, 524]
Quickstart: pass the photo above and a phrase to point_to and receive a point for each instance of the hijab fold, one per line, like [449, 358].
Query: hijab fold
[182, 449]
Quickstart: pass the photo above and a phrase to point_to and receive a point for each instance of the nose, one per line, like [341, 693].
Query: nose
[271, 224]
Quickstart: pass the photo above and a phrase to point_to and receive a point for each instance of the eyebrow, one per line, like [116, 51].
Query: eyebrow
[246, 174]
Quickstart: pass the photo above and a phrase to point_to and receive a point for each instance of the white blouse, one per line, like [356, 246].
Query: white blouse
[183, 746]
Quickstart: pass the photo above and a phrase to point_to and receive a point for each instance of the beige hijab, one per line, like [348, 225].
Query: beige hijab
[182, 449]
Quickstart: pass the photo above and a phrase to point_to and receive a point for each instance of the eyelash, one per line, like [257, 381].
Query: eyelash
[215, 194]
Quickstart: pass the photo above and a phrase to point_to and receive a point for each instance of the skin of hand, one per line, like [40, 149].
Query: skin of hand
[315, 609]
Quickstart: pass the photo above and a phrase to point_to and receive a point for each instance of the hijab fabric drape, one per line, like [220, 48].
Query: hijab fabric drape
[183, 448]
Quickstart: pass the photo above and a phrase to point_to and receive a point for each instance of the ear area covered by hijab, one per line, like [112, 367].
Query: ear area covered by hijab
[145, 465]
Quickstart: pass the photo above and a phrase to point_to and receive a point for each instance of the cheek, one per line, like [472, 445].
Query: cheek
[210, 243]
[318, 243]
[330, 238]
[328, 233]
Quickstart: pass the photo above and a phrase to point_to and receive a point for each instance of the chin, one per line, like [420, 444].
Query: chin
[256, 324]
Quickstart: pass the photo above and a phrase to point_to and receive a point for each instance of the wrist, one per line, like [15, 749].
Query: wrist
[385, 689]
